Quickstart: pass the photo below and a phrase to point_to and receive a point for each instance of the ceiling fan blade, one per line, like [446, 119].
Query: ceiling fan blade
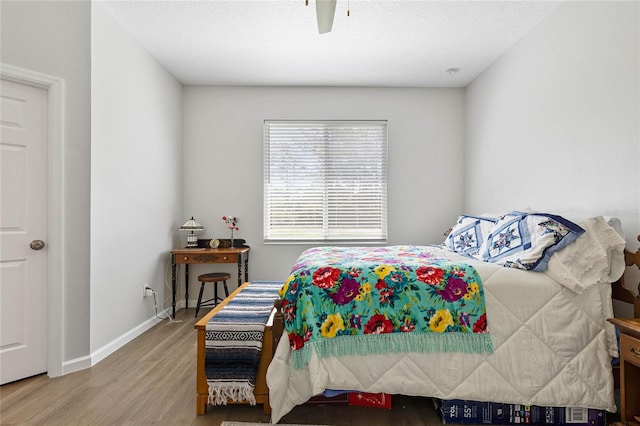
[325, 11]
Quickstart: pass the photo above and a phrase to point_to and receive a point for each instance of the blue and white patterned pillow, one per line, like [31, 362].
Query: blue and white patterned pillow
[527, 240]
[468, 233]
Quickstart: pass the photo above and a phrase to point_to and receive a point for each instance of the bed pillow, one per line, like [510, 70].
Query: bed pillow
[596, 257]
[527, 240]
[468, 233]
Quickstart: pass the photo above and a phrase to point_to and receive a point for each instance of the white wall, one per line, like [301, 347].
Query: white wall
[554, 124]
[223, 155]
[53, 37]
[136, 161]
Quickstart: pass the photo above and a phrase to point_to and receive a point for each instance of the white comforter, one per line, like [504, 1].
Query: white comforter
[552, 347]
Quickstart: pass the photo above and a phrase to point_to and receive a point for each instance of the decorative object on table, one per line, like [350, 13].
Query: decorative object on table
[225, 243]
[231, 222]
[213, 243]
[192, 227]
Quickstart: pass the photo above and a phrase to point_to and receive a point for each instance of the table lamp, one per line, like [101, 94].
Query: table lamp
[193, 227]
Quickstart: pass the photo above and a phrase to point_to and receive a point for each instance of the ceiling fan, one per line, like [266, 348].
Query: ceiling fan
[325, 12]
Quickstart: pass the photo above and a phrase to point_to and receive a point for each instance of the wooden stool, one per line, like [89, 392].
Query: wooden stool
[213, 277]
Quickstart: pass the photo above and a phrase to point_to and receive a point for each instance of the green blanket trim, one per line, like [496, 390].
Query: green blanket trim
[381, 344]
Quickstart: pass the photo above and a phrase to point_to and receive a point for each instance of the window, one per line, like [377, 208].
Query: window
[325, 181]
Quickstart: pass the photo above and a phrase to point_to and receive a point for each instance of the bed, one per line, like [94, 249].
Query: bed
[545, 310]
[519, 362]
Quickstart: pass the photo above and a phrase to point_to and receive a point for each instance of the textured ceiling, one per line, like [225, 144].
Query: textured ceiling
[276, 43]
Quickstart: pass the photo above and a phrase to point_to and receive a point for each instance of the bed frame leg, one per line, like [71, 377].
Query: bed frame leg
[266, 407]
[201, 404]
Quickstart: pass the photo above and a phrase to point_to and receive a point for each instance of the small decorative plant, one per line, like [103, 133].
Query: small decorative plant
[231, 222]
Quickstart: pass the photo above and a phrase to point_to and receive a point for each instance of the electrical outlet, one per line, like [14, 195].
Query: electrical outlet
[146, 290]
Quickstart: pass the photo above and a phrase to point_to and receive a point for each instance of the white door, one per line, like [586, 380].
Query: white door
[23, 223]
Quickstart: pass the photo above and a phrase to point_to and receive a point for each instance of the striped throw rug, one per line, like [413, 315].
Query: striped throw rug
[234, 342]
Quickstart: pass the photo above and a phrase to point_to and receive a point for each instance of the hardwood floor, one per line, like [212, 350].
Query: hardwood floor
[151, 380]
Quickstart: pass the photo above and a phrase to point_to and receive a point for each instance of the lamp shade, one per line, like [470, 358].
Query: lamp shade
[191, 225]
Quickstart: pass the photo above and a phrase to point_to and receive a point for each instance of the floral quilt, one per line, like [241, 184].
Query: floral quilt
[375, 300]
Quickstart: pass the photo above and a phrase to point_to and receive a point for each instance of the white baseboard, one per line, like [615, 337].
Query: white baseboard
[74, 365]
[88, 361]
[116, 344]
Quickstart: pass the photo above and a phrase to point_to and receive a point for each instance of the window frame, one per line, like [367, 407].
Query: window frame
[376, 178]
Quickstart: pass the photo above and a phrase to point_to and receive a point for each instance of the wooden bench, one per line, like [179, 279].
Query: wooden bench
[261, 391]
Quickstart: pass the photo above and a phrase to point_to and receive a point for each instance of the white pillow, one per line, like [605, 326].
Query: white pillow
[527, 240]
[596, 257]
[468, 234]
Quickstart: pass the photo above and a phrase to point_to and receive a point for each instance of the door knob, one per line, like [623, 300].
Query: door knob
[37, 244]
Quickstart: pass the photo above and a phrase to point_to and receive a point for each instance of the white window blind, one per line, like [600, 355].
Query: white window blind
[325, 181]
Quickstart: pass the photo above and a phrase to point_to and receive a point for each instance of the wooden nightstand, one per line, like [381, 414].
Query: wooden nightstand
[629, 369]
